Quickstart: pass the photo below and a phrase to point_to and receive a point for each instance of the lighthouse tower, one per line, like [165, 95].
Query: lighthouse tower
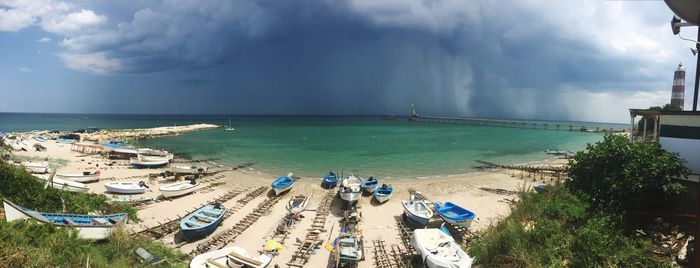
[678, 91]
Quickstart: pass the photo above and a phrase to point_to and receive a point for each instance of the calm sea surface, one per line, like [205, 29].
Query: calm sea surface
[311, 146]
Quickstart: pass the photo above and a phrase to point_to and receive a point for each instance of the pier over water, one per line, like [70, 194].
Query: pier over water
[415, 117]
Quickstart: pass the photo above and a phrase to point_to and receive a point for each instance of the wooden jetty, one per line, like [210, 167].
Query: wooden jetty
[313, 239]
[542, 125]
[532, 170]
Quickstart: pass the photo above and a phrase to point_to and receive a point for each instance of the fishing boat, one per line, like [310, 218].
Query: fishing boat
[454, 214]
[126, 187]
[188, 169]
[417, 211]
[36, 167]
[539, 187]
[64, 185]
[178, 188]
[349, 250]
[203, 221]
[40, 138]
[370, 185]
[297, 204]
[229, 128]
[88, 226]
[330, 180]
[283, 184]
[153, 158]
[147, 154]
[351, 189]
[439, 250]
[80, 177]
[137, 163]
[230, 257]
[383, 193]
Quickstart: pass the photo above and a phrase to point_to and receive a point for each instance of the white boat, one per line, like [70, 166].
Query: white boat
[147, 154]
[188, 169]
[229, 257]
[351, 189]
[126, 187]
[125, 150]
[229, 128]
[36, 167]
[417, 211]
[153, 158]
[178, 188]
[297, 204]
[93, 227]
[78, 177]
[68, 186]
[137, 163]
[439, 250]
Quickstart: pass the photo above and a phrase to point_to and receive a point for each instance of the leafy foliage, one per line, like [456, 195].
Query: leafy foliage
[32, 244]
[556, 229]
[617, 175]
[23, 189]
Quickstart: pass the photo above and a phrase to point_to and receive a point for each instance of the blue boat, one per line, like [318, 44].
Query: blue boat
[383, 193]
[40, 138]
[114, 144]
[370, 185]
[282, 184]
[539, 188]
[455, 214]
[202, 222]
[93, 227]
[330, 180]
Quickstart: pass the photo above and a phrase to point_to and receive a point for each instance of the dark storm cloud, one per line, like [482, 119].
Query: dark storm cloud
[485, 58]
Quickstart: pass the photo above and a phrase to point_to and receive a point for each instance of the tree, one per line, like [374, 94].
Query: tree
[616, 174]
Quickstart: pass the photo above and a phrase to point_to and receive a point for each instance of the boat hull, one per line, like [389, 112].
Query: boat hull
[78, 177]
[381, 198]
[281, 190]
[146, 164]
[220, 257]
[351, 197]
[167, 192]
[195, 234]
[114, 188]
[91, 232]
[371, 189]
[68, 186]
[431, 260]
[328, 184]
[413, 217]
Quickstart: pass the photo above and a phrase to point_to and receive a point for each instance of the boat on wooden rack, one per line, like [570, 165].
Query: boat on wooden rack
[84, 177]
[283, 184]
[350, 189]
[370, 185]
[297, 204]
[126, 187]
[417, 211]
[383, 193]
[454, 214]
[439, 250]
[203, 221]
[230, 257]
[178, 188]
[138, 163]
[330, 180]
[88, 226]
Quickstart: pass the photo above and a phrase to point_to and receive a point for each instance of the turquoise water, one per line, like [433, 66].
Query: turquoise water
[310, 146]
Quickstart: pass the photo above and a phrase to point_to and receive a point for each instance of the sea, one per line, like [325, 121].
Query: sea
[310, 146]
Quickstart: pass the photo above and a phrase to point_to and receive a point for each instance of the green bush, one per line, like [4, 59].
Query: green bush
[556, 229]
[23, 189]
[617, 175]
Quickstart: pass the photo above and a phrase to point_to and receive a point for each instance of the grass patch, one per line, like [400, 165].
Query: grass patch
[557, 229]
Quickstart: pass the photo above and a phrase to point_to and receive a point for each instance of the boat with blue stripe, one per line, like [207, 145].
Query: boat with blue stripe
[203, 221]
[330, 180]
[383, 193]
[283, 184]
[93, 227]
[370, 185]
[454, 214]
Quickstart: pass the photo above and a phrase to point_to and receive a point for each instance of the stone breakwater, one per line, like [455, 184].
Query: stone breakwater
[143, 133]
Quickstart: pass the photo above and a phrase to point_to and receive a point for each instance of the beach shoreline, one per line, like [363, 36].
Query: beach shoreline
[379, 221]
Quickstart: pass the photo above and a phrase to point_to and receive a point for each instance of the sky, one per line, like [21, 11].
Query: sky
[559, 60]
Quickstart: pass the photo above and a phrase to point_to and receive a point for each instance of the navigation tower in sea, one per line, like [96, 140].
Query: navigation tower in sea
[678, 90]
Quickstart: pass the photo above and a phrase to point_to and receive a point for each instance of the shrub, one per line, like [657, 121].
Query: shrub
[617, 175]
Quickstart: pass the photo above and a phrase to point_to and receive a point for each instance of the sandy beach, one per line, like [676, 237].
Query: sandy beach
[378, 221]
